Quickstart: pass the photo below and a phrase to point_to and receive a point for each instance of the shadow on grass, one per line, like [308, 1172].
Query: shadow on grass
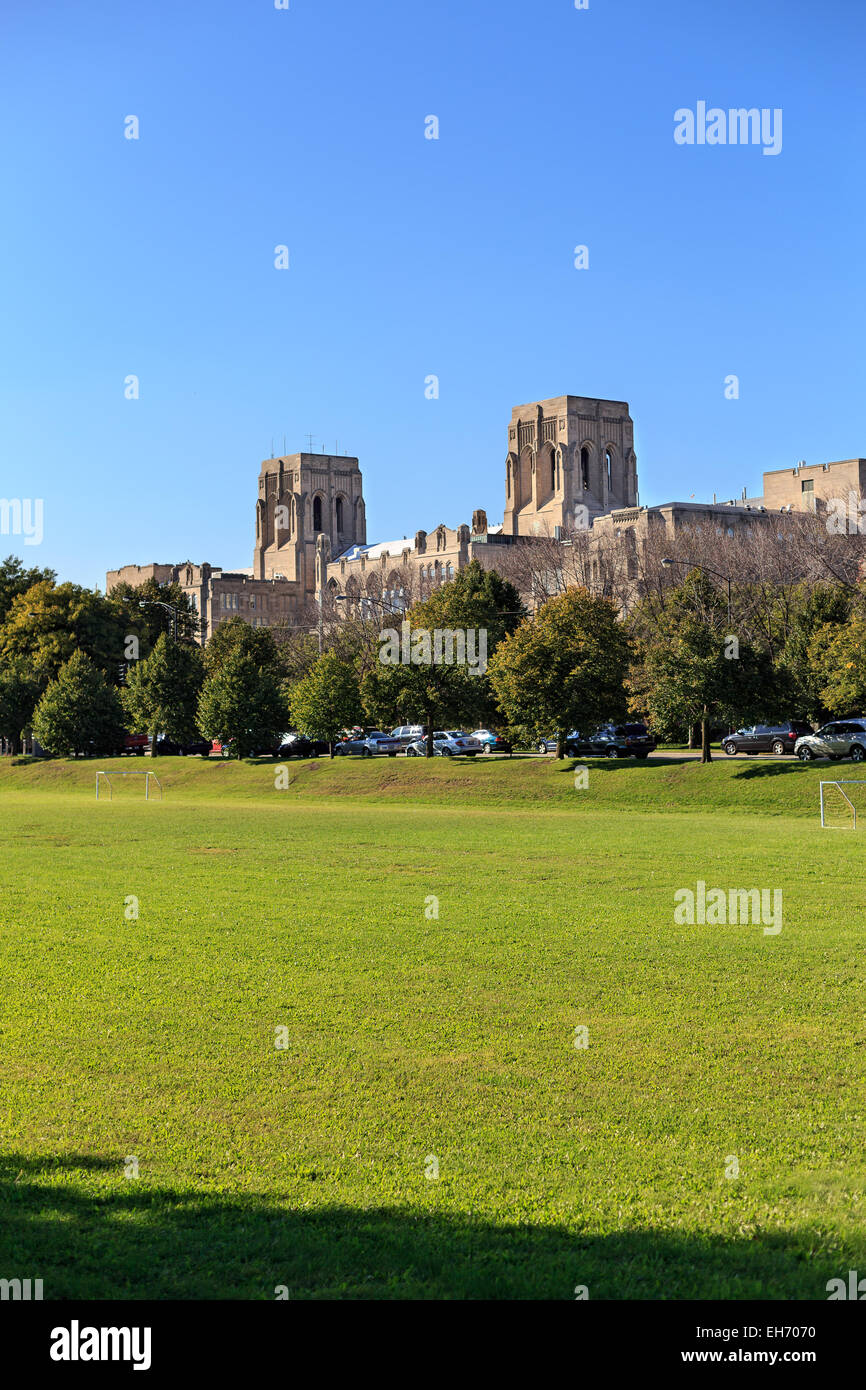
[598, 761]
[773, 769]
[134, 1241]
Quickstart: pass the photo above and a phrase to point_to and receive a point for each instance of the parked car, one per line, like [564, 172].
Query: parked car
[844, 738]
[408, 733]
[766, 738]
[299, 746]
[447, 743]
[370, 744]
[197, 747]
[491, 742]
[622, 741]
[262, 749]
[574, 744]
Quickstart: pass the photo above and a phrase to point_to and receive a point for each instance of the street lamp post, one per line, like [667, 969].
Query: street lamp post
[156, 603]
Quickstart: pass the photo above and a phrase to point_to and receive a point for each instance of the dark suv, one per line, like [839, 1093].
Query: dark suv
[766, 738]
[622, 741]
[197, 747]
[299, 746]
[574, 745]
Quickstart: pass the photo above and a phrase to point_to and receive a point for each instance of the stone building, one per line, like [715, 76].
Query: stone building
[807, 486]
[570, 459]
[300, 498]
[570, 466]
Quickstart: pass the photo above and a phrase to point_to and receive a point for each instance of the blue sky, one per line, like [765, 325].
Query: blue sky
[411, 257]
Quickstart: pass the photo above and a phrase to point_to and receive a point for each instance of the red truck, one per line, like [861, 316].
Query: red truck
[135, 743]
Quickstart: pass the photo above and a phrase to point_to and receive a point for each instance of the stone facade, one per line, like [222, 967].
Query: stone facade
[218, 594]
[806, 486]
[570, 466]
[300, 498]
[570, 459]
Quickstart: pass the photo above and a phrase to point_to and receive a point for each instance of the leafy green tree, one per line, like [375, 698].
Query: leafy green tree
[479, 606]
[565, 669]
[139, 612]
[692, 670]
[326, 700]
[820, 614]
[837, 654]
[48, 623]
[20, 691]
[478, 600]
[80, 711]
[235, 637]
[241, 703]
[15, 580]
[162, 691]
[421, 691]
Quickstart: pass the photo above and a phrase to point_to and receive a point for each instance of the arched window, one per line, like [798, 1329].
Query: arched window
[450, 571]
[317, 513]
[339, 516]
[608, 468]
[584, 468]
[553, 472]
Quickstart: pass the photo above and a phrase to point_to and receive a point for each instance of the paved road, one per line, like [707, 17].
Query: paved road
[684, 755]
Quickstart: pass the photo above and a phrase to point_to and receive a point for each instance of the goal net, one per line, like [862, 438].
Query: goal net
[843, 804]
[104, 781]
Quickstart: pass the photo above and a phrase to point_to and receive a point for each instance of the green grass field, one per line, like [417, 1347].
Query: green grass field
[413, 1038]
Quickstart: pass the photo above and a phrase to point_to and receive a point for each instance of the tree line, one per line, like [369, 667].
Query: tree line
[685, 651]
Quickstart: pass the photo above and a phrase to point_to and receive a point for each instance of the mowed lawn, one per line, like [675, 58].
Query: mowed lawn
[418, 1044]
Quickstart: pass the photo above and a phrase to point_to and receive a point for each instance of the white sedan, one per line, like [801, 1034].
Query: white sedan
[447, 743]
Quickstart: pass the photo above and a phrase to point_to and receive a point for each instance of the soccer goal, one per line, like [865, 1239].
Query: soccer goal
[104, 779]
[839, 803]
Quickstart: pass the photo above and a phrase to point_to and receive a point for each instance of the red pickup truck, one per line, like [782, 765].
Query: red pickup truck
[135, 743]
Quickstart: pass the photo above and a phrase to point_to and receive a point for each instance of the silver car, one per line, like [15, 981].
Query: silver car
[844, 738]
[408, 733]
[447, 743]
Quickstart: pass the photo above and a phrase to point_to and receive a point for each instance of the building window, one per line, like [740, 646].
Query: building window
[317, 513]
[584, 468]
[553, 472]
[608, 468]
[339, 515]
[252, 600]
[808, 485]
[450, 571]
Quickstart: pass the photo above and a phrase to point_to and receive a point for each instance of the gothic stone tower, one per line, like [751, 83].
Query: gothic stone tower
[300, 498]
[563, 454]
